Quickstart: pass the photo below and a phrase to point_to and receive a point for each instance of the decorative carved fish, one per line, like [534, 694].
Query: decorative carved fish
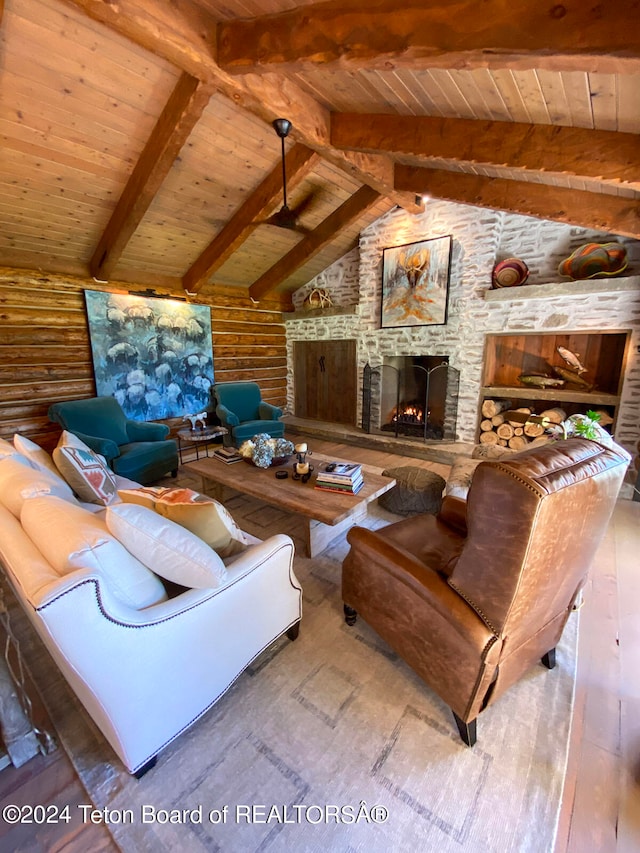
[540, 380]
[572, 378]
[572, 359]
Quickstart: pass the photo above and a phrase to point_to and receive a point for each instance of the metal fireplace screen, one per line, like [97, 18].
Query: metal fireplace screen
[413, 396]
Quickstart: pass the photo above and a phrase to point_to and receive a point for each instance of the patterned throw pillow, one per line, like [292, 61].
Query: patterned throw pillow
[149, 495]
[89, 478]
[204, 517]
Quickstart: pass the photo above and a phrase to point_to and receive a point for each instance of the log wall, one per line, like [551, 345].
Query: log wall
[45, 354]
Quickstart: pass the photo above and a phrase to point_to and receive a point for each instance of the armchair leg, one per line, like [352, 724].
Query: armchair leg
[293, 631]
[350, 615]
[467, 730]
[549, 660]
[174, 473]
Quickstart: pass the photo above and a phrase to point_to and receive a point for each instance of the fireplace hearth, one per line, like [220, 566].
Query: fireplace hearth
[414, 396]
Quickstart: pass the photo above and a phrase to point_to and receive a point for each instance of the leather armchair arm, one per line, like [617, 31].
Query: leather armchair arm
[104, 446]
[142, 431]
[268, 412]
[227, 417]
[422, 618]
[454, 513]
[375, 566]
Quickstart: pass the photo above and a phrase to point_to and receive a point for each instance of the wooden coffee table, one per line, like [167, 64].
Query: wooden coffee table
[327, 514]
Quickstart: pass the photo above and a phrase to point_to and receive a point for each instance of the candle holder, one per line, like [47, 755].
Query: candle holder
[302, 470]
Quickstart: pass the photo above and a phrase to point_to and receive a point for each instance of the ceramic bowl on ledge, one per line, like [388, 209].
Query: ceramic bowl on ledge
[509, 273]
[593, 260]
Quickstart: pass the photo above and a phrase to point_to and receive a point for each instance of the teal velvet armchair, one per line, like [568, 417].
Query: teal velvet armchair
[133, 449]
[241, 409]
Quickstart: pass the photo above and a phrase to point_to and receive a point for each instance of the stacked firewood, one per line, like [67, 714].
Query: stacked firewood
[516, 428]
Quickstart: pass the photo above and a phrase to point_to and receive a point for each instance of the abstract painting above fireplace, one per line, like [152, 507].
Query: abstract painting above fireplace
[415, 283]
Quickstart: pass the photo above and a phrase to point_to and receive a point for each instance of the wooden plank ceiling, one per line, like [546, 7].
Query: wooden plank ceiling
[137, 143]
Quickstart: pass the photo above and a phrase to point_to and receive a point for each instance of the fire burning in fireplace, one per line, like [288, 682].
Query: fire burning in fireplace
[408, 413]
[409, 419]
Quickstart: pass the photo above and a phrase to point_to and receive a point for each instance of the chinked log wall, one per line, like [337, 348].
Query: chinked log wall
[45, 354]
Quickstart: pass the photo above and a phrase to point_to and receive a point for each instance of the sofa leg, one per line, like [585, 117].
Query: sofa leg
[467, 730]
[549, 660]
[350, 615]
[293, 631]
[174, 473]
[146, 767]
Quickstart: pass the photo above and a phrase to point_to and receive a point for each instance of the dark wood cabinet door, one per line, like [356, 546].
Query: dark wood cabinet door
[325, 380]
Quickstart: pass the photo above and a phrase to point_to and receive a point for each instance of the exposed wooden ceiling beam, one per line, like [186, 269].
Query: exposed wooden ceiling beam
[179, 32]
[601, 212]
[385, 35]
[298, 163]
[180, 115]
[264, 94]
[350, 210]
[185, 36]
[572, 150]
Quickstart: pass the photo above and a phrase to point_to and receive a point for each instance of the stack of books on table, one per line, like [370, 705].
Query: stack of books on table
[345, 477]
[227, 454]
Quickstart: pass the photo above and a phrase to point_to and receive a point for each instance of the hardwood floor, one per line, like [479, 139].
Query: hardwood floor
[601, 803]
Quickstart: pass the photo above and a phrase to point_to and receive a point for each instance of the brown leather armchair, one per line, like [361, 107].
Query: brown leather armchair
[473, 597]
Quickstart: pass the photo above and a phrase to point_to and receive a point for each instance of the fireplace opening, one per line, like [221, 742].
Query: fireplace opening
[415, 396]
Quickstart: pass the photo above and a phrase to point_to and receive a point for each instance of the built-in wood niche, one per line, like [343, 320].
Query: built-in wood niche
[602, 353]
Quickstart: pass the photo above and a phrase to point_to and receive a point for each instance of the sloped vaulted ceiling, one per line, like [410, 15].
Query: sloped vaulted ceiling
[137, 142]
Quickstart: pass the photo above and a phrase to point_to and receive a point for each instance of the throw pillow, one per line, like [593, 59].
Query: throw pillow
[168, 549]
[491, 451]
[85, 471]
[70, 439]
[460, 476]
[72, 538]
[201, 515]
[20, 482]
[37, 455]
[146, 495]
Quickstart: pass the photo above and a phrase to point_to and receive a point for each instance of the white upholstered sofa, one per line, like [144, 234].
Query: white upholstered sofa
[144, 665]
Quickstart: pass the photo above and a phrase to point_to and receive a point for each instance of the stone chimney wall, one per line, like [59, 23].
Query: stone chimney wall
[480, 238]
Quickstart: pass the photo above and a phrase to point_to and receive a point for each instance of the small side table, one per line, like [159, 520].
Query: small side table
[199, 438]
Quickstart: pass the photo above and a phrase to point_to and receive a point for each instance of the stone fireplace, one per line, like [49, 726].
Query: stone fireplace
[476, 312]
[411, 395]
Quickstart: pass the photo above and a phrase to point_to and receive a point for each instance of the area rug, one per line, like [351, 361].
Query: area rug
[332, 743]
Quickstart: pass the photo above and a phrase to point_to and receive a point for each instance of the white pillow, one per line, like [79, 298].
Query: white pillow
[7, 449]
[205, 518]
[19, 482]
[37, 455]
[165, 547]
[71, 538]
